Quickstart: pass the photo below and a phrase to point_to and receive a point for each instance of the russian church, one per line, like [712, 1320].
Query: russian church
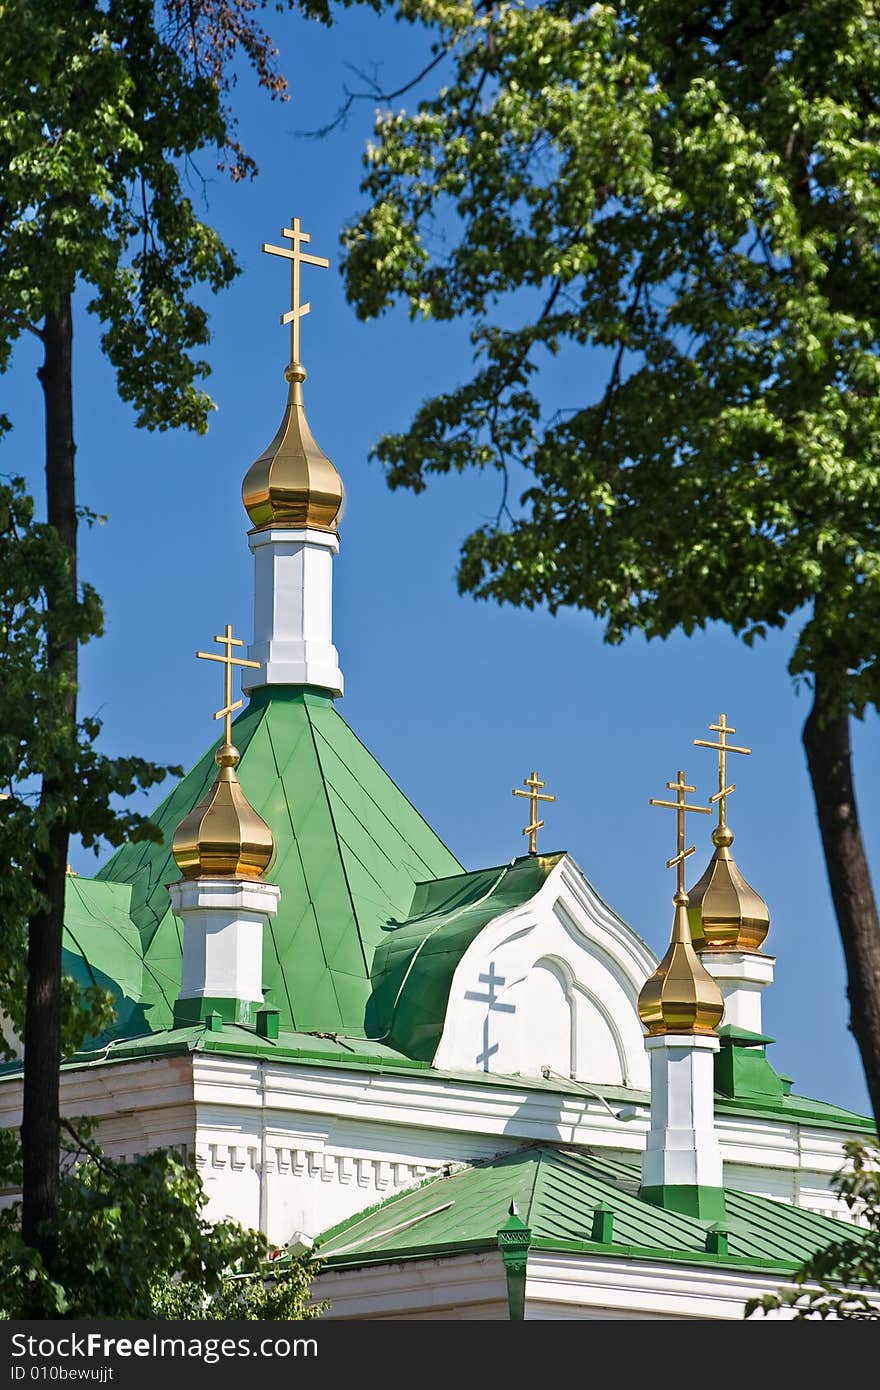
[472, 1091]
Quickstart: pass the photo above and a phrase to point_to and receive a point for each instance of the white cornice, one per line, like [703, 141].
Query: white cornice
[460, 1286]
[558, 1286]
[218, 1092]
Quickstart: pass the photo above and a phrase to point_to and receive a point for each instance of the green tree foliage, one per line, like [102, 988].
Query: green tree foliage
[36, 603]
[99, 116]
[272, 1293]
[694, 190]
[843, 1280]
[133, 1242]
[105, 108]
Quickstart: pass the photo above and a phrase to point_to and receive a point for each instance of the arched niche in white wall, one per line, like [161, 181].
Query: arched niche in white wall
[554, 982]
[544, 998]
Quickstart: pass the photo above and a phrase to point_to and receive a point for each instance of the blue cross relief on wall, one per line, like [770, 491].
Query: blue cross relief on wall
[490, 998]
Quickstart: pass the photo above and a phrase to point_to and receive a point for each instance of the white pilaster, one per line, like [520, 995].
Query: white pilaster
[741, 976]
[682, 1148]
[293, 609]
[223, 936]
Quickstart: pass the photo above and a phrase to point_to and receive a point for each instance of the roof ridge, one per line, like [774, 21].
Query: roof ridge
[342, 860]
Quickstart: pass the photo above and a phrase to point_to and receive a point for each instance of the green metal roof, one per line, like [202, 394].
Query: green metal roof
[350, 849]
[414, 965]
[556, 1191]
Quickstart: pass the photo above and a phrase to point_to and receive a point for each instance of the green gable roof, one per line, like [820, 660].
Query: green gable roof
[415, 963]
[350, 849]
[556, 1192]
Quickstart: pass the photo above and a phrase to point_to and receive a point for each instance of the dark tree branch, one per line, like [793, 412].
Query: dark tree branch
[14, 316]
[374, 93]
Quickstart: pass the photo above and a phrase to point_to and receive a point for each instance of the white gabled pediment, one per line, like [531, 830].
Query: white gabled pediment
[552, 983]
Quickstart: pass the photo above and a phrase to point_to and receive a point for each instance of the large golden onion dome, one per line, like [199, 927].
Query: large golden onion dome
[680, 996]
[223, 837]
[725, 912]
[293, 483]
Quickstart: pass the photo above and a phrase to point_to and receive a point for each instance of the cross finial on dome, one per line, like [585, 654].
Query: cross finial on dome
[229, 706]
[722, 747]
[298, 258]
[726, 914]
[680, 996]
[681, 788]
[224, 836]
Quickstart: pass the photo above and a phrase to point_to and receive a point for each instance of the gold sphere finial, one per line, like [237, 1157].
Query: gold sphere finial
[722, 836]
[227, 755]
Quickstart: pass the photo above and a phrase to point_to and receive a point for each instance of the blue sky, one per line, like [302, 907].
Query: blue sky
[458, 700]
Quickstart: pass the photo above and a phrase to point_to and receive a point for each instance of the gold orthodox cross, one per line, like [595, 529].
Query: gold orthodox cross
[681, 787]
[534, 825]
[722, 729]
[298, 258]
[228, 641]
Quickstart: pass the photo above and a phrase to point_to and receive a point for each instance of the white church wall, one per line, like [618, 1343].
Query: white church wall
[587, 1287]
[270, 1162]
[558, 1287]
[301, 1146]
[460, 1287]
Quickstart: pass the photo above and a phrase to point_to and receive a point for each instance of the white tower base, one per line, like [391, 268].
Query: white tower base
[681, 1165]
[293, 609]
[742, 976]
[223, 921]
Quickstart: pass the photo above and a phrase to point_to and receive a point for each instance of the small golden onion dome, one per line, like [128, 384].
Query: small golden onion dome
[680, 996]
[293, 483]
[725, 912]
[223, 837]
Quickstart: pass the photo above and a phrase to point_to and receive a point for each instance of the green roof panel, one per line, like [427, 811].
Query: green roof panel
[350, 849]
[556, 1191]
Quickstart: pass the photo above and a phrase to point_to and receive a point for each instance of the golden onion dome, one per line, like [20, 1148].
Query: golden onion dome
[293, 483]
[725, 912]
[223, 837]
[680, 996]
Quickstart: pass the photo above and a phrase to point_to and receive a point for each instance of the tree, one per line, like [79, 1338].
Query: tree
[843, 1280]
[105, 103]
[132, 1241]
[272, 1293]
[694, 188]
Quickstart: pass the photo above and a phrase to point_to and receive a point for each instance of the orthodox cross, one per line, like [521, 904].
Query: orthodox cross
[534, 825]
[722, 729]
[298, 258]
[228, 641]
[681, 787]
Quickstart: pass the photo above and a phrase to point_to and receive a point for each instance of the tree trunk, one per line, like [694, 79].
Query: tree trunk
[40, 1136]
[827, 742]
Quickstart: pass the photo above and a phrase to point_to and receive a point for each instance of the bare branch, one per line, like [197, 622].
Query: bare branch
[83, 1146]
[374, 93]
